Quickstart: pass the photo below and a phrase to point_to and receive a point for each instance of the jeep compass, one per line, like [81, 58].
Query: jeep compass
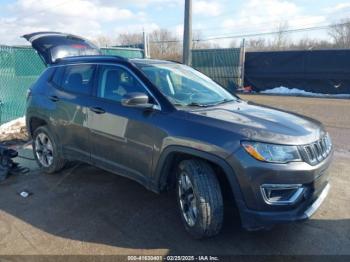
[169, 127]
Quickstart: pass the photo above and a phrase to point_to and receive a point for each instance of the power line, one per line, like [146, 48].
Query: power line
[345, 14]
[166, 41]
[270, 33]
[248, 18]
[247, 27]
[256, 34]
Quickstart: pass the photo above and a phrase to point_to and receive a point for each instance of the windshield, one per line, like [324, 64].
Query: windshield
[184, 86]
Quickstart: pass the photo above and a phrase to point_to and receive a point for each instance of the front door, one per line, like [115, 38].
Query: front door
[122, 137]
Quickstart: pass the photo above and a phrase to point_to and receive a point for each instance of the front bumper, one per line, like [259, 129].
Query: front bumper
[255, 220]
[250, 174]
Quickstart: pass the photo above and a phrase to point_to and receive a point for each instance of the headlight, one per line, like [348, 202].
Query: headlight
[272, 153]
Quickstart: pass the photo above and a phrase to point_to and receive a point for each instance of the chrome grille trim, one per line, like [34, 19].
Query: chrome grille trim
[316, 152]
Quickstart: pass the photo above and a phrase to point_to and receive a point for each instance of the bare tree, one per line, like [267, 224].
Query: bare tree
[234, 44]
[281, 40]
[256, 44]
[310, 44]
[133, 39]
[340, 34]
[164, 44]
[104, 41]
[198, 42]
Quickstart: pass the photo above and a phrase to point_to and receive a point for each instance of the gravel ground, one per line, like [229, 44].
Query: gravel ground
[85, 210]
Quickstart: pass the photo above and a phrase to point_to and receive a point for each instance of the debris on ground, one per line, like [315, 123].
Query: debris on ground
[245, 89]
[6, 162]
[14, 130]
[7, 165]
[25, 193]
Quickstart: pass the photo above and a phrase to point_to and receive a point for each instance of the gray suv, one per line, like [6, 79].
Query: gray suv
[169, 127]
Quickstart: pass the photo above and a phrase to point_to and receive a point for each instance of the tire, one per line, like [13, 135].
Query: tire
[206, 198]
[50, 161]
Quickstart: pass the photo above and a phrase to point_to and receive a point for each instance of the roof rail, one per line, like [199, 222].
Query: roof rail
[91, 57]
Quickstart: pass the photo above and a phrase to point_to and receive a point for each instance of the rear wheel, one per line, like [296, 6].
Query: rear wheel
[46, 152]
[199, 198]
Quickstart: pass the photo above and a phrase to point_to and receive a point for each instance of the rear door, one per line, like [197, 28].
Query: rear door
[52, 46]
[71, 99]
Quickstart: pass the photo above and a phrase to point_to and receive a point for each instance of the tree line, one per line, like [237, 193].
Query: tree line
[165, 44]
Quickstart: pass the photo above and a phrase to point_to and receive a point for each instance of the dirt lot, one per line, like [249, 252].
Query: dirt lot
[85, 210]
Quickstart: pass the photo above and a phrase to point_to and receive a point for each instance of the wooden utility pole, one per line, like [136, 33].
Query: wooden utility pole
[187, 39]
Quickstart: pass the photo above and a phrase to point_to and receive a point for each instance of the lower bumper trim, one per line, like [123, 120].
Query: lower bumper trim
[312, 209]
[254, 220]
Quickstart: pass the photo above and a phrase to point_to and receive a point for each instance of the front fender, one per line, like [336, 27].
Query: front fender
[162, 170]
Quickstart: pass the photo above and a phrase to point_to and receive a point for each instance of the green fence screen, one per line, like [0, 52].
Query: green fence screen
[222, 65]
[20, 67]
[124, 52]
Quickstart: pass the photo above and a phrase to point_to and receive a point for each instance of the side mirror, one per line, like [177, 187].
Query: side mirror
[136, 99]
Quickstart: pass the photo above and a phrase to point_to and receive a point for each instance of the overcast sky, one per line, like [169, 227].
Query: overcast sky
[93, 18]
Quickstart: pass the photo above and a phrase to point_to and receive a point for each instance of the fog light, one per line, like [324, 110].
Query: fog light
[281, 194]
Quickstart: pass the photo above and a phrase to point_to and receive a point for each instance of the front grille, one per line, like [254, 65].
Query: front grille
[315, 152]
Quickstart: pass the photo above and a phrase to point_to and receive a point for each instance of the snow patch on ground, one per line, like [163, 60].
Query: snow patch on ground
[295, 91]
[14, 130]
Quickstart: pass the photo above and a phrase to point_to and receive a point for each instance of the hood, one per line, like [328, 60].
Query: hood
[259, 123]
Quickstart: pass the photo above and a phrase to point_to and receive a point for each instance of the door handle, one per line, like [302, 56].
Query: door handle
[54, 98]
[97, 110]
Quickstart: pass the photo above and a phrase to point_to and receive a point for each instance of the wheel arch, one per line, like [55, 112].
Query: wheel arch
[172, 155]
[34, 122]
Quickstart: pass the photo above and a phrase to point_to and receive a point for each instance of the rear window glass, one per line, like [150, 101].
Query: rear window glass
[72, 50]
[78, 79]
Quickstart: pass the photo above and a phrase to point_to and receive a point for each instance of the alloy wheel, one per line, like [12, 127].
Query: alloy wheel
[187, 199]
[44, 149]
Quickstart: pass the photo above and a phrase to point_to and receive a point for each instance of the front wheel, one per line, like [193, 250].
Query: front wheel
[46, 151]
[199, 198]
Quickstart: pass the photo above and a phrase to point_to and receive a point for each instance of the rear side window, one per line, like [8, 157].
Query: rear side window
[57, 76]
[78, 79]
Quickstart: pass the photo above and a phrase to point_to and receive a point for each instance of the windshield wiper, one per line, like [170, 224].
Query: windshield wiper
[197, 104]
[205, 105]
[223, 102]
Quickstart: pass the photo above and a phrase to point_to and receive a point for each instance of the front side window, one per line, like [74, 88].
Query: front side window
[115, 82]
[78, 79]
[184, 86]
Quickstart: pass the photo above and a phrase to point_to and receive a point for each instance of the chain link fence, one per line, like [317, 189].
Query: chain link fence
[19, 69]
[223, 65]
[124, 52]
